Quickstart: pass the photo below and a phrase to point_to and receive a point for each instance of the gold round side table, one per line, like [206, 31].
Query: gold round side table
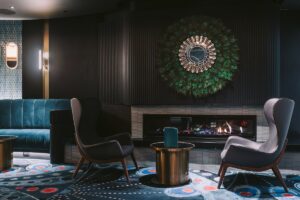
[172, 164]
[6, 150]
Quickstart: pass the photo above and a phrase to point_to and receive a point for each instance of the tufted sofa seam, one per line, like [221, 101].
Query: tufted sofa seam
[17, 114]
[33, 121]
[22, 117]
[44, 116]
[10, 102]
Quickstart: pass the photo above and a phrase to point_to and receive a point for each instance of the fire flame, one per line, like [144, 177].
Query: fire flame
[225, 130]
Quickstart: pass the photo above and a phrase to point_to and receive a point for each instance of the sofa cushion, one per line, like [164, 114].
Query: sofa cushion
[29, 113]
[29, 138]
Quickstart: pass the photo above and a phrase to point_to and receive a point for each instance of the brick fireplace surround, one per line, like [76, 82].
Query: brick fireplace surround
[137, 113]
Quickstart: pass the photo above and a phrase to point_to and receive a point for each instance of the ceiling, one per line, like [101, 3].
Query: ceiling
[291, 4]
[44, 9]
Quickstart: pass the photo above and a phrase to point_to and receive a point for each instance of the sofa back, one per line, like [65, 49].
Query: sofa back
[29, 113]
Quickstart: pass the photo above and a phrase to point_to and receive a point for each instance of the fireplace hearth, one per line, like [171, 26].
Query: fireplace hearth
[200, 127]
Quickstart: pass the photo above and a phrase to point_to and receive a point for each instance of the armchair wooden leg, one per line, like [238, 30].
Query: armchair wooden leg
[78, 166]
[278, 175]
[220, 170]
[222, 176]
[89, 165]
[134, 161]
[125, 169]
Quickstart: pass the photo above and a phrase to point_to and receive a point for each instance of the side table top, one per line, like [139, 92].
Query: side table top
[5, 138]
[182, 146]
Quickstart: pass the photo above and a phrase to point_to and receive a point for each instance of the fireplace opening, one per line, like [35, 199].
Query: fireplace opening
[201, 127]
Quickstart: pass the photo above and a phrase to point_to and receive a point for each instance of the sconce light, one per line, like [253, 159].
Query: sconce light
[11, 50]
[43, 60]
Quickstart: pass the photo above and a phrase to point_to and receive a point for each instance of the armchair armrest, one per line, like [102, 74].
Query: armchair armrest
[104, 150]
[61, 130]
[122, 138]
[232, 140]
[245, 156]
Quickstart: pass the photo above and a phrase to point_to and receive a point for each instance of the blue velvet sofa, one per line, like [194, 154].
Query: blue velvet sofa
[29, 120]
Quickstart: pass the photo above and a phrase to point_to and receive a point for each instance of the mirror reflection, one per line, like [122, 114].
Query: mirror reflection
[11, 55]
[197, 54]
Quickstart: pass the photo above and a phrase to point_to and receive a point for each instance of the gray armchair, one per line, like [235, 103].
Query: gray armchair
[249, 155]
[94, 148]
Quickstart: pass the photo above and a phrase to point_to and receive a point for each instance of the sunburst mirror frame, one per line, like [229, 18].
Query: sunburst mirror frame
[197, 54]
[216, 56]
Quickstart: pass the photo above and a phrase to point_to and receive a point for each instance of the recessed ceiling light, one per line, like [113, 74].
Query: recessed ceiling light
[12, 7]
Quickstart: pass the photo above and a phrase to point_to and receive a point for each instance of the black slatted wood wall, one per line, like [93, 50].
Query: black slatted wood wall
[114, 57]
[111, 61]
[290, 63]
[257, 77]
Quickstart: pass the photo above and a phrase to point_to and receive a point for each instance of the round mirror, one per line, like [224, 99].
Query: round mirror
[197, 54]
[11, 55]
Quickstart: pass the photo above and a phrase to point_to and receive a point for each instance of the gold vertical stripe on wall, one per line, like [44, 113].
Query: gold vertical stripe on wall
[46, 70]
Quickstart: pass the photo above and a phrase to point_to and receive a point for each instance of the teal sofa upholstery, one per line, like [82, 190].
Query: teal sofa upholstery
[29, 120]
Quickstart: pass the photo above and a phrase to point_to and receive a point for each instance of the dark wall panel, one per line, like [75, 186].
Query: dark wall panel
[111, 63]
[114, 57]
[290, 62]
[74, 57]
[32, 43]
[257, 78]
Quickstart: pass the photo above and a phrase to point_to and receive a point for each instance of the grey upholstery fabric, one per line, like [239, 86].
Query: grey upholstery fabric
[244, 152]
[85, 117]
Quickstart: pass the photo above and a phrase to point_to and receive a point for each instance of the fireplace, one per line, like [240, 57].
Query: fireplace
[200, 127]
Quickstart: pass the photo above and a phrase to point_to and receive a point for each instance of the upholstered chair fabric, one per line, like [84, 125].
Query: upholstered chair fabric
[86, 115]
[249, 155]
[244, 152]
[29, 113]
[86, 121]
[29, 120]
[89, 128]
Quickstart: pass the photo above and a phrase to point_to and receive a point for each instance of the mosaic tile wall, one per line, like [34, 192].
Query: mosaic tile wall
[10, 79]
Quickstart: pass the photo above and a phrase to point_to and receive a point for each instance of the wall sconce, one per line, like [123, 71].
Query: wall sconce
[11, 55]
[43, 60]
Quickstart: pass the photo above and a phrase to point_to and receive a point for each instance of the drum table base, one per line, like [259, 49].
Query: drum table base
[172, 164]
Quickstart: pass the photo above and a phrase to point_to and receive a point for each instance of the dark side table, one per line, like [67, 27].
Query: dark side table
[172, 164]
[6, 150]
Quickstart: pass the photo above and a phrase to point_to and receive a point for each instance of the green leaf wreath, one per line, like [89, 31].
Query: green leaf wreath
[211, 80]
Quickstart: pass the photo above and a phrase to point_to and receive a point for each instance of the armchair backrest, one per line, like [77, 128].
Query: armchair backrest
[86, 115]
[278, 112]
[76, 113]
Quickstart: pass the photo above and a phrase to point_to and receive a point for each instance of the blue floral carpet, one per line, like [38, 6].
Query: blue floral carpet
[46, 181]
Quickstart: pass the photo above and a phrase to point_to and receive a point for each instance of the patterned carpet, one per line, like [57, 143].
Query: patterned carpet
[37, 179]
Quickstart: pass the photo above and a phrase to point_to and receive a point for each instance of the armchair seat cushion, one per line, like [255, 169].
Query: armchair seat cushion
[29, 138]
[127, 149]
[243, 152]
[239, 141]
[240, 156]
[110, 152]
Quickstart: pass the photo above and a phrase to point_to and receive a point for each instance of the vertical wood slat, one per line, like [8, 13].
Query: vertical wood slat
[255, 81]
[110, 60]
[129, 73]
